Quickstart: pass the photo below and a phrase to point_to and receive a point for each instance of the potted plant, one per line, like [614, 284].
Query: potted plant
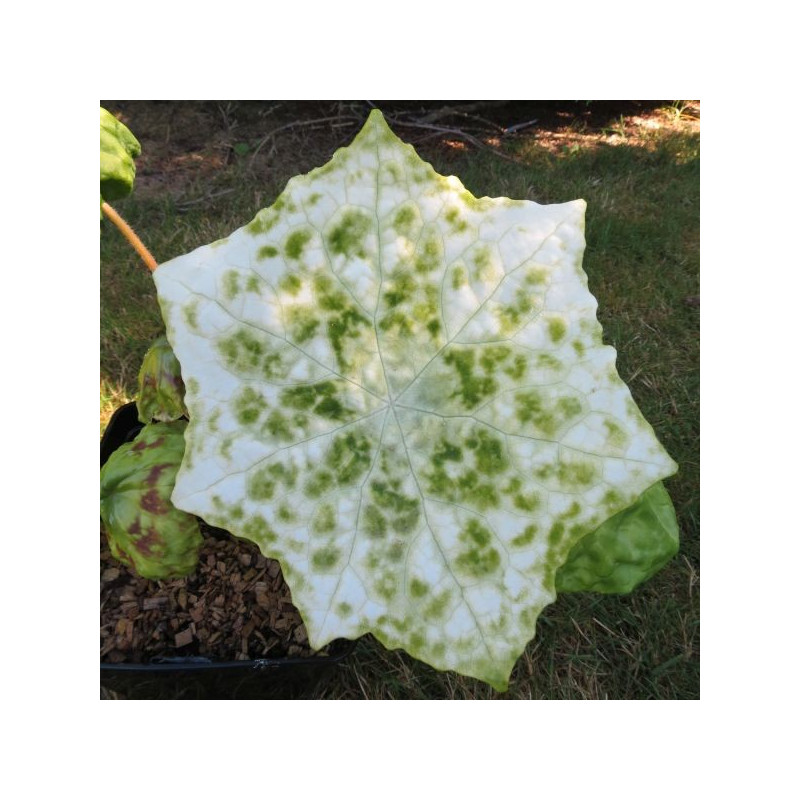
[186, 609]
[399, 393]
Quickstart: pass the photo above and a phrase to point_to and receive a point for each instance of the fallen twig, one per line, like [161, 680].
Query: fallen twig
[459, 134]
[297, 124]
[186, 205]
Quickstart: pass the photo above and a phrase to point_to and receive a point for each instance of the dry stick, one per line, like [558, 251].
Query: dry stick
[298, 124]
[459, 133]
[128, 232]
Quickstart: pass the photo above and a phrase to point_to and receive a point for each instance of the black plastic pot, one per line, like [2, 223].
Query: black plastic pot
[202, 678]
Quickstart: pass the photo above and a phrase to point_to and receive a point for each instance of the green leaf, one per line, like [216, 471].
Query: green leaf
[161, 388]
[400, 391]
[118, 148]
[145, 531]
[626, 550]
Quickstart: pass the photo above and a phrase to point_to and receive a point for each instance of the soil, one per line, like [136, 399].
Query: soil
[235, 606]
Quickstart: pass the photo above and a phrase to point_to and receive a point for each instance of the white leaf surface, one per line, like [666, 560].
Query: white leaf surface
[400, 392]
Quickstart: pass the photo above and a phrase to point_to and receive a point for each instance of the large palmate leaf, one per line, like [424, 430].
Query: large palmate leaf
[400, 391]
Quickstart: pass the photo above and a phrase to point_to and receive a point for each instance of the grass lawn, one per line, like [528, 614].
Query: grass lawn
[207, 168]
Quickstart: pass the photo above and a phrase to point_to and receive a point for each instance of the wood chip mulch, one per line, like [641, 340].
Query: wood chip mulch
[234, 607]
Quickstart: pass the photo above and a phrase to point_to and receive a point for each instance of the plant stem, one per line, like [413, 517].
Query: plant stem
[128, 232]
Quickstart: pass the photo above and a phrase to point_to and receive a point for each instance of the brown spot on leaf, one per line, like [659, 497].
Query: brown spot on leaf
[146, 544]
[153, 503]
[139, 446]
[154, 475]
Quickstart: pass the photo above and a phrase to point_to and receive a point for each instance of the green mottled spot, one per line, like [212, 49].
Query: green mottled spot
[526, 537]
[320, 482]
[259, 530]
[429, 255]
[438, 606]
[455, 220]
[579, 347]
[481, 259]
[264, 221]
[386, 586]
[512, 315]
[479, 495]
[615, 435]
[446, 451]
[526, 502]
[571, 475]
[573, 511]
[530, 407]
[346, 326]
[260, 485]
[394, 172]
[248, 406]
[290, 284]
[492, 356]
[477, 558]
[612, 499]
[418, 588]
[285, 513]
[301, 323]
[267, 251]
[459, 278]
[467, 487]
[349, 457]
[192, 386]
[190, 314]
[344, 609]
[324, 520]
[568, 407]
[252, 284]
[474, 203]
[326, 558]
[374, 522]
[230, 284]
[556, 534]
[278, 425]
[287, 475]
[296, 242]
[396, 551]
[489, 452]
[556, 329]
[321, 399]
[403, 511]
[314, 199]
[348, 237]
[536, 276]
[473, 388]
[405, 220]
[517, 369]
[400, 288]
[547, 361]
[242, 351]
